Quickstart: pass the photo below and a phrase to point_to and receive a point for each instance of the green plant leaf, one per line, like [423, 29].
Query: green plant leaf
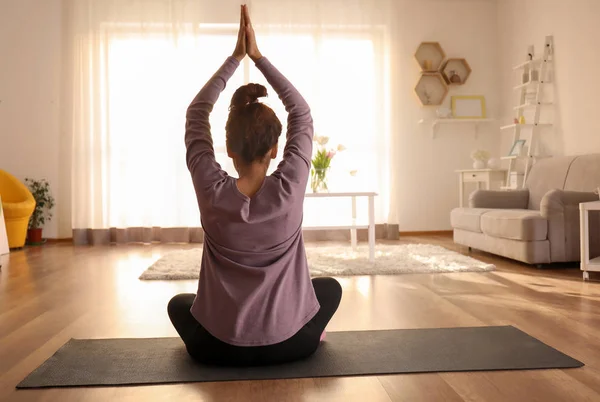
[44, 202]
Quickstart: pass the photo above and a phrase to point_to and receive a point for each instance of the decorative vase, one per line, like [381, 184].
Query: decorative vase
[455, 78]
[478, 164]
[494, 163]
[318, 180]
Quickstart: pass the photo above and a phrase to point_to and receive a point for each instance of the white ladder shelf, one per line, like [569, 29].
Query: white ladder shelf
[536, 71]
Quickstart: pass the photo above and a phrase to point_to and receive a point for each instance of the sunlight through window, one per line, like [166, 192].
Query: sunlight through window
[153, 78]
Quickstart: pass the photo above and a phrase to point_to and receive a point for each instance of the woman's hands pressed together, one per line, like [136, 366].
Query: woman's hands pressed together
[240, 48]
[246, 42]
[251, 46]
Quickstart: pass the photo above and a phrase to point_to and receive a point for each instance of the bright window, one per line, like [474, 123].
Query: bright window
[153, 78]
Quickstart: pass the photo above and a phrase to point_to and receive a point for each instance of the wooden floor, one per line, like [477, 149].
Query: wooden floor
[51, 294]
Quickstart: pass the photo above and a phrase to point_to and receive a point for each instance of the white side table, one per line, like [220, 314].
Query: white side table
[587, 265]
[353, 227]
[3, 237]
[479, 176]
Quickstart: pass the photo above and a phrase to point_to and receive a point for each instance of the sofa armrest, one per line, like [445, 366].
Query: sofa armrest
[561, 210]
[555, 201]
[499, 199]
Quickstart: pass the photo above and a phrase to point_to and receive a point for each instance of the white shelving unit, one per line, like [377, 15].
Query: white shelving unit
[528, 63]
[528, 85]
[525, 125]
[537, 83]
[532, 105]
[508, 158]
[587, 265]
[475, 122]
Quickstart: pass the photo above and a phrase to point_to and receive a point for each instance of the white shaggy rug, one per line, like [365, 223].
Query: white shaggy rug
[340, 261]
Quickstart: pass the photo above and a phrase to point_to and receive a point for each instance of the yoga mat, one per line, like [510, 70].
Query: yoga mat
[165, 360]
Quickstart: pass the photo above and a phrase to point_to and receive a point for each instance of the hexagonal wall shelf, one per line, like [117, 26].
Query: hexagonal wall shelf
[430, 56]
[456, 71]
[431, 89]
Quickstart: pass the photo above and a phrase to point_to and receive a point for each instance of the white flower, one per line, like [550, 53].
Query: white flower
[480, 155]
[322, 140]
[341, 148]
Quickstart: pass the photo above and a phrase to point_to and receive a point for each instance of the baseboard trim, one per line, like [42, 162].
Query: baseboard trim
[379, 229]
[382, 231]
[428, 233]
[54, 241]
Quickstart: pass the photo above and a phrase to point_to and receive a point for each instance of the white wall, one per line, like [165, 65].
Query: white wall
[574, 25]
[31, 143]
[30, 87]
[428, 186]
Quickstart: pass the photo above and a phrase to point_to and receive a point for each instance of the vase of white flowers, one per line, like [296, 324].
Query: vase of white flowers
[321, 163]
[480, 158]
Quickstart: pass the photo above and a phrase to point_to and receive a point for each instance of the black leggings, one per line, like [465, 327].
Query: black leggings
[205, 348]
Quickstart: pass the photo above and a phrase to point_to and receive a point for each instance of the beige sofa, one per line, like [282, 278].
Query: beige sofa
[539, 224]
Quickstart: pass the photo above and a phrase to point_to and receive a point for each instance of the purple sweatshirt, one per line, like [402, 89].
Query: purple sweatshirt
[254, 286]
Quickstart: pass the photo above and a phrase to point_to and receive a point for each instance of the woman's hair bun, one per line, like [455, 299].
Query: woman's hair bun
[247, 94]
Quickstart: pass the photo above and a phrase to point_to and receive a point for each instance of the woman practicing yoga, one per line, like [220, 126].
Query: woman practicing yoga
[256, 303]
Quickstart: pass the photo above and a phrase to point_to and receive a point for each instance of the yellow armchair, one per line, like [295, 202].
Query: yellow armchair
[18, 205]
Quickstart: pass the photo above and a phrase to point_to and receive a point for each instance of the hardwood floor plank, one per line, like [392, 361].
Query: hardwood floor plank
[526, 386]
[33, 356]
[419, 388]
[303, 390]
[476, 387]
[21, 342]
[53, 293]
[588, 376]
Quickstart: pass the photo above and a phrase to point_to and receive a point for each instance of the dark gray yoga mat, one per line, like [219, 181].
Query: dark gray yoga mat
[164, 360]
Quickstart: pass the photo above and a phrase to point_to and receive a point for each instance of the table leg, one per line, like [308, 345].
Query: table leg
[584, 241]
[353, 239]
[461, 190]
[371, 228]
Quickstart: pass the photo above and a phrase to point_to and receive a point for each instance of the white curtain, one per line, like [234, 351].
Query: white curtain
[136, 65]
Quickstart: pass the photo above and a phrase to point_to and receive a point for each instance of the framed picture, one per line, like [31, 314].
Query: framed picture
[517, 148]
[468, 107]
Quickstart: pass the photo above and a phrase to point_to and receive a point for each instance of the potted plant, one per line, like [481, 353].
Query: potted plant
[44, 202]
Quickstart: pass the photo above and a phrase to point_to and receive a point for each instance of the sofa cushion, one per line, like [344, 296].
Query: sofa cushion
[515, 224]
[467, 218]
[530, 252]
